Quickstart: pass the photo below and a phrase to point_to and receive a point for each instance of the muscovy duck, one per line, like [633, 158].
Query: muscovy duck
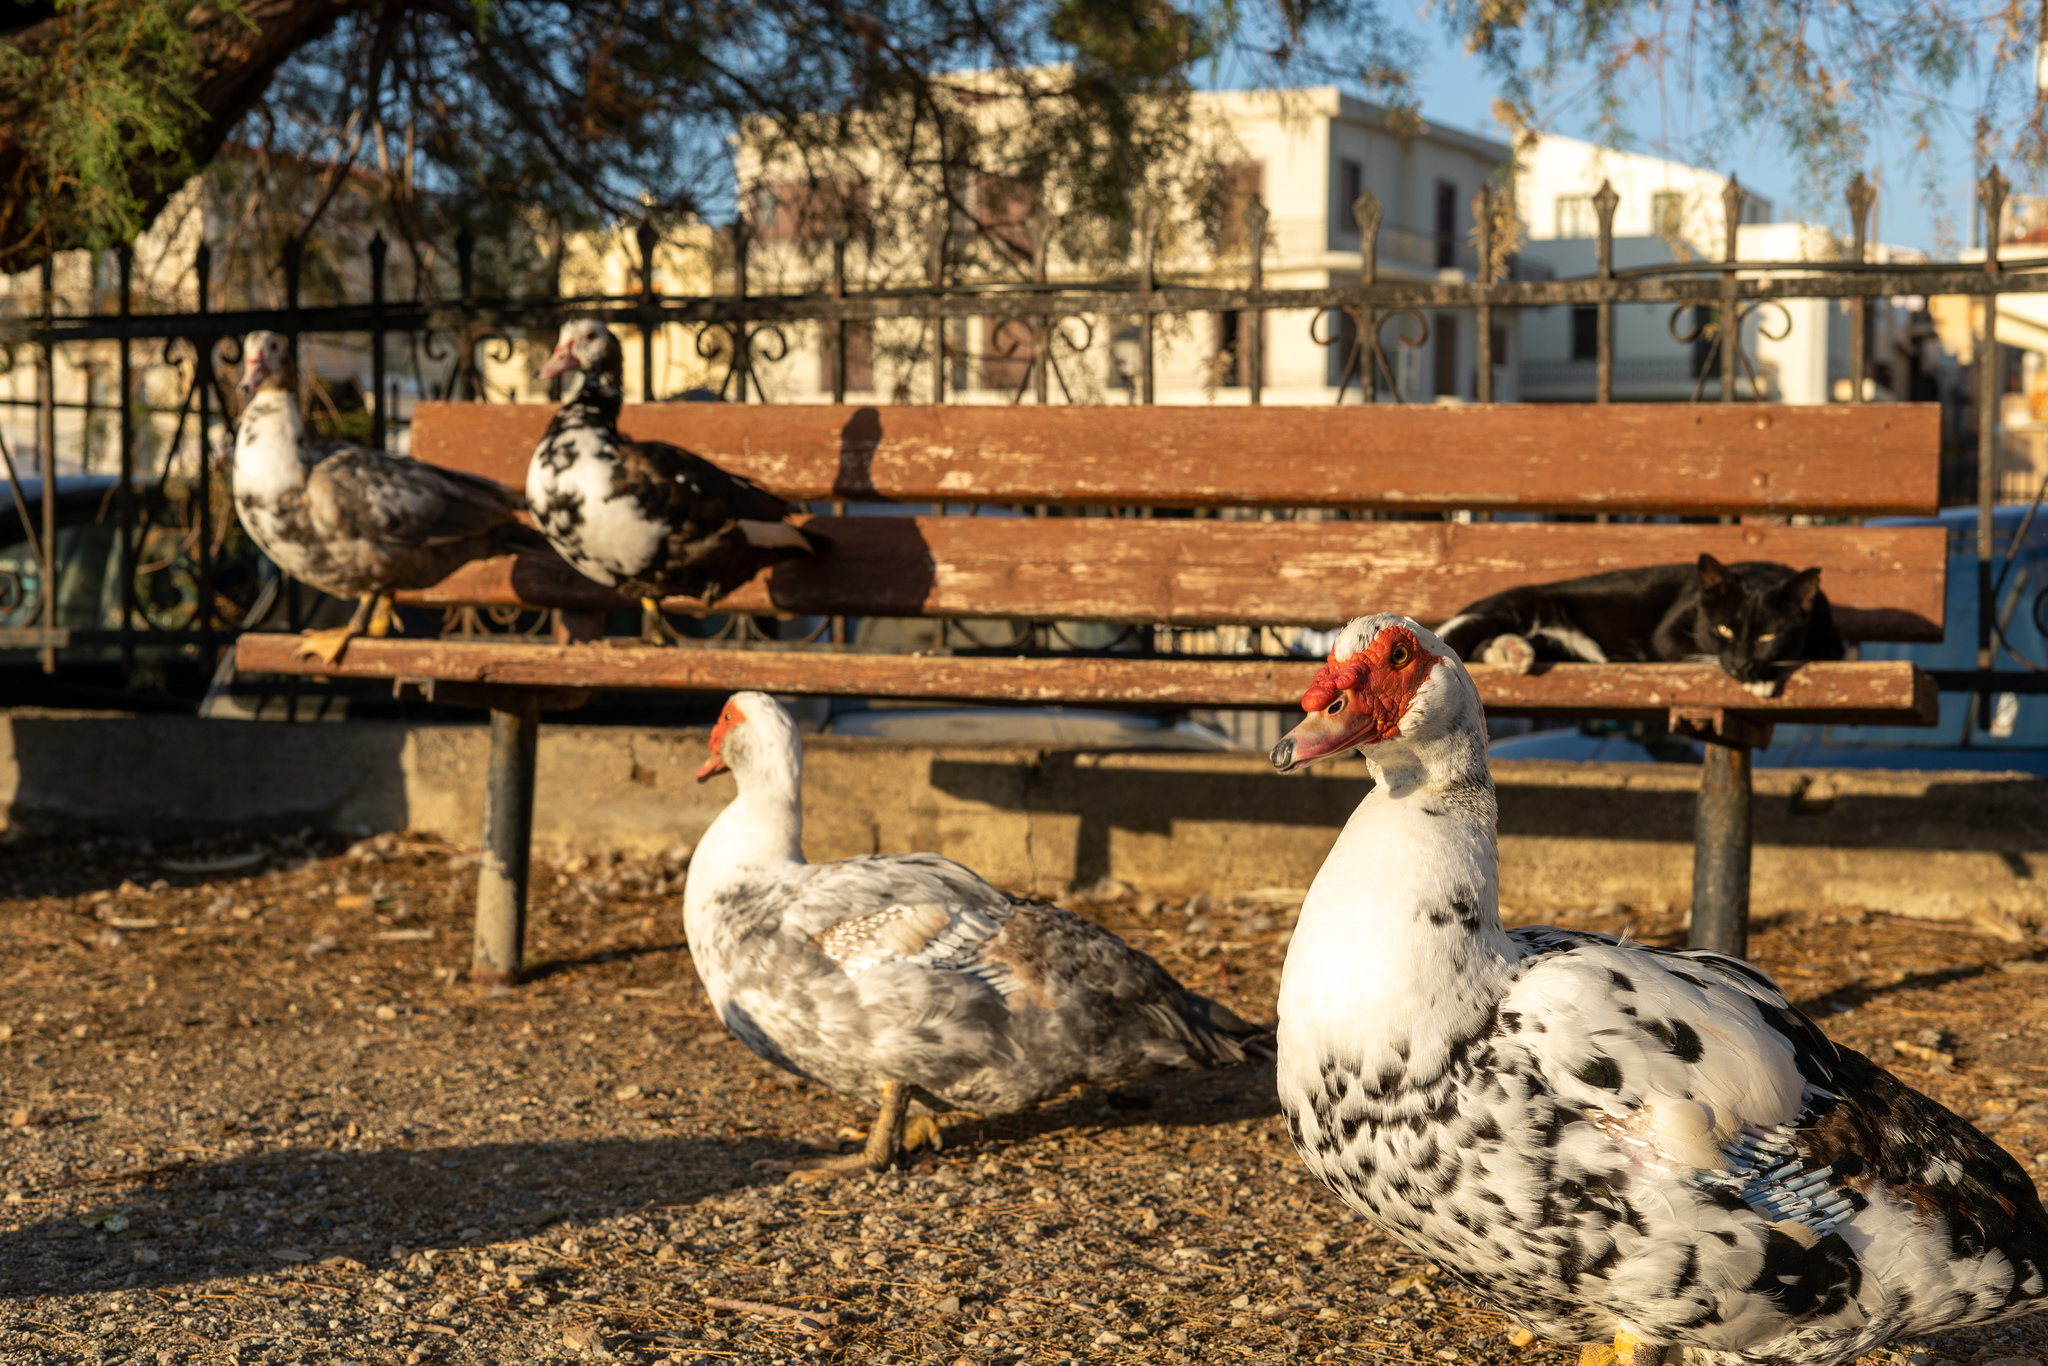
[349, 520]
[644, 517]
[1602, 1139]
[905, 978]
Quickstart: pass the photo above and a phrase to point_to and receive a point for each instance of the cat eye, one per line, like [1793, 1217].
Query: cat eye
[1767, 637]
[1398, 657]
[1334, 707]
[1726, 634]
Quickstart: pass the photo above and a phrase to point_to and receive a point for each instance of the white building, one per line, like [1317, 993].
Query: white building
[1795, 351]
[1307, 155]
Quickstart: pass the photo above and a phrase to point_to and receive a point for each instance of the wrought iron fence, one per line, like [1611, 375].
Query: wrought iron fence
[178, 525]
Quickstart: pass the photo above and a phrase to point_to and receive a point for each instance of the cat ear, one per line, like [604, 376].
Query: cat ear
[1803, 588]
[1715, 580]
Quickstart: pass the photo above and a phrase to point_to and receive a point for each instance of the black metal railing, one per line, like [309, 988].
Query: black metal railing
[185, 514]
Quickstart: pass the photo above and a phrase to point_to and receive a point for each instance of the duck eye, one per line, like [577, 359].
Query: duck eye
[1398, 657]
[1726, 634]
[1334, 707]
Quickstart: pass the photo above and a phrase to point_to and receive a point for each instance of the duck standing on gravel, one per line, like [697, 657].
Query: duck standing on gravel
[905, 978]
[352, 521]
[644, 517]
[1601, 1139]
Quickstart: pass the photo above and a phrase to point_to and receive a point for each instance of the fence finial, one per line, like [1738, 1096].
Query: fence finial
[647, 239]
[1861, 196]
[1991, 192]
[1731, 205]
[1482, 225]
[1605, 202]
[1366, 212]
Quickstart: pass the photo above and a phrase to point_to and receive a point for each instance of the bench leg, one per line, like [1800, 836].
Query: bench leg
[1720, 856]
[508, 840]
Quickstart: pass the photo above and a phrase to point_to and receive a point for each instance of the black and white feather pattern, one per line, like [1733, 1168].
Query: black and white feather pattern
[644, 517]
[910, 968]
[350, 520]
[1600, 1137]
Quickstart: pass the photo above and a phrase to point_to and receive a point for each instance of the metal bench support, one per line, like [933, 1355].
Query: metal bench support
[499, 954]
[1722, 827]
[500, 951]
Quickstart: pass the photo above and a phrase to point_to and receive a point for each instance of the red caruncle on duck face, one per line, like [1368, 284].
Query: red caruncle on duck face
[1359, 700]
[727, 719]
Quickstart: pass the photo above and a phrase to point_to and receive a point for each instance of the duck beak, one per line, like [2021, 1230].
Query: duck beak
[1323, 736]
[564, 359]
[715, 764]
[254, 372]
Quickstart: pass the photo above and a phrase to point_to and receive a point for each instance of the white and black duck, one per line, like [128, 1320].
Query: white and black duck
[1603, 1140]
[644, 517]
[348, 520]
[906, 978]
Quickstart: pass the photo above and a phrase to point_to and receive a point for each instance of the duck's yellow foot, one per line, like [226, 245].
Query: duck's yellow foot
[326, 645]
[816, 1169]
[1596, 1354]
[1521, 1337]
[922, 1131]
[1628, 1350]
[384, 619]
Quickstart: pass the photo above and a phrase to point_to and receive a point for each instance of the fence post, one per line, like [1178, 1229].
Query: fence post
[1148, 243]
[1366, 213]
[1251, 341]
[1482, 214]
[500, 945]
[647, 239]
[1722, 830]
[1860, 197]
[124, 257]
[935, 273]
[1731, 317]
[465, 354]
[1991, 190]
[380, 426]
[46, 437]
[1041, 340]
[203, 379]
[839, 236]
[1605, 201]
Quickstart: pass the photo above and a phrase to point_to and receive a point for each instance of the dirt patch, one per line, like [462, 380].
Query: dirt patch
[257, 1115]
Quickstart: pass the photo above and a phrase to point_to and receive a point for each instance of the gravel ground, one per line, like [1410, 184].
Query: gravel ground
[255, 1114]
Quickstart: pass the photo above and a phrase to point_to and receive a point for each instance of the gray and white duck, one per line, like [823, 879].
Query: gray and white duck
[644, 517]
[1608, 1142]
[905, 980]
[349, 520]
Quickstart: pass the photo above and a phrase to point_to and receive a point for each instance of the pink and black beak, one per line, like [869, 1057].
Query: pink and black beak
[256, 368]
[727, 719]
[563, 360]
[1357, 701]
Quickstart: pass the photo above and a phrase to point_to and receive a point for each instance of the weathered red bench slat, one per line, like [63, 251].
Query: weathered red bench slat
[1892, 693]
[1886, 583]
[1632, 458]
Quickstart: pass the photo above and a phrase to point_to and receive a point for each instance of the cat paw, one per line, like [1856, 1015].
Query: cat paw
[1767, 689]
[1509, 652]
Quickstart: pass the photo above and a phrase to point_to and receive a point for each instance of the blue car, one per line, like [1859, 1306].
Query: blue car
[2016, 740]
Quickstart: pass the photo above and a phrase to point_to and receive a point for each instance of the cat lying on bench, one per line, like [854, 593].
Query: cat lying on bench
[1757, 620]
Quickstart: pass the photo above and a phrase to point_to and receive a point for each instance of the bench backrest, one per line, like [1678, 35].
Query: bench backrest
[1750, 461]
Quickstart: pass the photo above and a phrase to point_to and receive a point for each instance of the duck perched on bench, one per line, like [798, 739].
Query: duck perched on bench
[906, 978]
[644, 517]
[1601, 1139]
[349, 520]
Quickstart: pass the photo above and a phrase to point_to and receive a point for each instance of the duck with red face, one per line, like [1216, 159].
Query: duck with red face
[1632, 1148]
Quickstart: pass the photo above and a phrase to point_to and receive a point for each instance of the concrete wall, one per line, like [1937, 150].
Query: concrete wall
[1935, 845]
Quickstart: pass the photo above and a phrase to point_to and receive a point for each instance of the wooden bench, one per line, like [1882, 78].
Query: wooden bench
[1750, 467]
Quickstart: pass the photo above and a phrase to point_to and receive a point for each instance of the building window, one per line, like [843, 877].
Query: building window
[1576, 216]
[1446, 354]
[1236, 186]
[860, 357]
[1667, 214]
[1585, 333]
[803, 211]
[1446, 224]
[1232, 365]
[1004, 209]
[1005, 354]
[1350, 186]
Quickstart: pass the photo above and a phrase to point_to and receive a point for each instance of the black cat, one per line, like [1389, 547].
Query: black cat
[1757, 620]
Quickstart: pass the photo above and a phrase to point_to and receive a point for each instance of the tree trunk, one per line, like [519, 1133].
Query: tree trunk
[236, 62]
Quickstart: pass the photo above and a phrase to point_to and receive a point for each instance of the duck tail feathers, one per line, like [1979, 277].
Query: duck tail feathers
[1223, 1038]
